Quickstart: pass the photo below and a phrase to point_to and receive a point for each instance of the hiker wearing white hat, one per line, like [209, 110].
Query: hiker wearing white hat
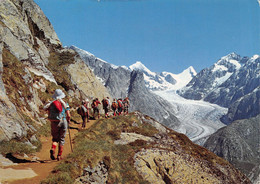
[58, 94]
[59, 116]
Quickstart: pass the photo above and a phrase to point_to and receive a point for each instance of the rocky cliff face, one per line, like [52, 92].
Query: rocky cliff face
[138, 149]
[122, 82]
[239, 144]
[33, 64]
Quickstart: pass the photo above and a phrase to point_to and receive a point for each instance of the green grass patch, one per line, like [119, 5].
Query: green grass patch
[62, 178]
[16, 147]
[44, 130]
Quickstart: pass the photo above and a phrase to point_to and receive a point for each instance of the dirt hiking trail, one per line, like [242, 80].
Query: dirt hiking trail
[33, 172]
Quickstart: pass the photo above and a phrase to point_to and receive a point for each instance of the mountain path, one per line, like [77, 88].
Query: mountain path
[24, 173]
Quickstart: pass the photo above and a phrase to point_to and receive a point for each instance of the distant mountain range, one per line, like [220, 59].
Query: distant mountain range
[232, 82]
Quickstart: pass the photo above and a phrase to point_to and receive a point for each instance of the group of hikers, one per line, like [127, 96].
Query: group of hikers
[117, 107]
[59, 116]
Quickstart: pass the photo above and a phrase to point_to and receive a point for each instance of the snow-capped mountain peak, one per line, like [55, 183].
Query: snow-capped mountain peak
[255, 57]
[232, 55]
[188, 72]
[164, 80]
[141, 67]
[229, 63]
[85, 54]
[81, 51]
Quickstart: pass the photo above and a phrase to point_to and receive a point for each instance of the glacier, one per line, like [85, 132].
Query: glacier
[199, 119]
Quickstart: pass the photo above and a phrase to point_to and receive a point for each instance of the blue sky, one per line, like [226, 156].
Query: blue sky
[165, 35]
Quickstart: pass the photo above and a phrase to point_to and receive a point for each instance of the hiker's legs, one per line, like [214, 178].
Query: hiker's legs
[106, 112]
[60, 152]
[119, 111]
[63, 125]
[88, 116]
[84, 121]
[53, 149]
[55, 139]
[114, 112]
[94, 111]
[98, 113]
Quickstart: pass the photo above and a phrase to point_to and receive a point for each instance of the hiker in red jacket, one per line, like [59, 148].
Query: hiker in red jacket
[59, 116]
[119, 106]
[126, 105]
[83, 111]
[105, 104]
[95, 106]
[114, 107]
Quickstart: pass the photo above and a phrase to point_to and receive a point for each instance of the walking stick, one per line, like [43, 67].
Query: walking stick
[69, 135]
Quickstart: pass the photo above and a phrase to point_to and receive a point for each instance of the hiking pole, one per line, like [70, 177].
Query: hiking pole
[69, 135]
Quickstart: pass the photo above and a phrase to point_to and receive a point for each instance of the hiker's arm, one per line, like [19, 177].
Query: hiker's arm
[68, 116]
[46, 107]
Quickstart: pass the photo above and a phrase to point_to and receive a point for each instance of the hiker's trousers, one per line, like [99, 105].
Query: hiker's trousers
[58, 131]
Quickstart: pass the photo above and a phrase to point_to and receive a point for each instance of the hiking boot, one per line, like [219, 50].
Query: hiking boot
[52, 153]
[59, 157]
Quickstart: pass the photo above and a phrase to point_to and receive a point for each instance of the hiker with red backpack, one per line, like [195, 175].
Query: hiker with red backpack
[83, 111]
[126, 104]
[114, 107]
[109, 103]
[59, 116]
[119, 106]
[105, 104]
[95, 106]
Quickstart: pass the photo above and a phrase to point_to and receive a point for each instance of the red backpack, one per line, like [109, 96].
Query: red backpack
[105, 102]
[114, 105]
[55, 111]
[119, 103]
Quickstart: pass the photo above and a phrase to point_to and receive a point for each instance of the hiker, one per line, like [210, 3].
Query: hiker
[119, 106]
[105, 104]
[126, 105]
[83, 111]
[114, 106]
[109, 103]
[94, 105]
[59, 116]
